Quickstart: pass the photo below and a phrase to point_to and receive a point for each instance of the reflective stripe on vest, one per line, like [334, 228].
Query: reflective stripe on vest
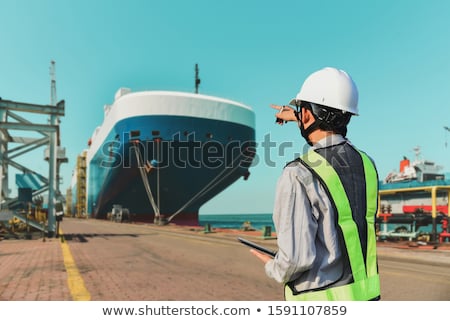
[366, 285]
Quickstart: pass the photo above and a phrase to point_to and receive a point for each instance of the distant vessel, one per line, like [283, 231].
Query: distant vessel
[419, 170]
[417, 194]
[163, 154]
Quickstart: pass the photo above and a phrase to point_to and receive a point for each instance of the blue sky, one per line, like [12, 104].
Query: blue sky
[254, 52]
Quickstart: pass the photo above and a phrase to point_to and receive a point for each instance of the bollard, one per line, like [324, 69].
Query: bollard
[267, 232]
[207, 228]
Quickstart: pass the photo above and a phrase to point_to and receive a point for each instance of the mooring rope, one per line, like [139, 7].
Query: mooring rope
[213, 183]
[146, 183]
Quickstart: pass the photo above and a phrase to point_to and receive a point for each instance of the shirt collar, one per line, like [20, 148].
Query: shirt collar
[334, 139]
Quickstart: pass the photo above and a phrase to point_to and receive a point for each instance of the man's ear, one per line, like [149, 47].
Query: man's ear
[307, 117]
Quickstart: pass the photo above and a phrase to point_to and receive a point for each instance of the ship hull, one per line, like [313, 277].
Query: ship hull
[414, 197]
[167, 166]
[417, 204]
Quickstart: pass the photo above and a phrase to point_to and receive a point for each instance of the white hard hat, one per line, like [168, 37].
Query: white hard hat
[330, 87]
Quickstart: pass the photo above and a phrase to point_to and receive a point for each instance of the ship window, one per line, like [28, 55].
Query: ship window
[135, 133]
[155, 132]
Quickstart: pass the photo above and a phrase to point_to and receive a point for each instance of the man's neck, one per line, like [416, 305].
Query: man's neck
[318, 135]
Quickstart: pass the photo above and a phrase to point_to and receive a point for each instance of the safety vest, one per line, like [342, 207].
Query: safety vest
[366, 280]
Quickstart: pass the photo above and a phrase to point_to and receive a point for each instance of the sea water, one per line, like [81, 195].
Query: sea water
[260, 220]
[236, 221]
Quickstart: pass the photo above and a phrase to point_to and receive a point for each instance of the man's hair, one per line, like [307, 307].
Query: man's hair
[328, 118]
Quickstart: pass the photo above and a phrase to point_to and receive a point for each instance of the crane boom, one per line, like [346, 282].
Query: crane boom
[447, 129]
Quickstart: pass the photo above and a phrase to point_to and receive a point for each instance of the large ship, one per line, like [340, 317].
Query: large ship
[162, 154]
[414, 197]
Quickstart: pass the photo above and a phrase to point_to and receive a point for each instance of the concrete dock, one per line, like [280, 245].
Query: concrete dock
[105, 261]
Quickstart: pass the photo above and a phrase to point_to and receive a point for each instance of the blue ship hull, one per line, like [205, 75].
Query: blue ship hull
[188, 161]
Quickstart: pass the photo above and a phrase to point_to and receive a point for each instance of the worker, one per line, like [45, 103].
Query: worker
[326, 200]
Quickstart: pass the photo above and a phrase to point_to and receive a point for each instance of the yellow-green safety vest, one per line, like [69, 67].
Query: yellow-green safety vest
[366, 285]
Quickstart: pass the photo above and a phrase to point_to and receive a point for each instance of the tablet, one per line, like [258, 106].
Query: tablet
[257, 247]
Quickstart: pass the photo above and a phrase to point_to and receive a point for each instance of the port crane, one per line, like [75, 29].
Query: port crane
[447, 129]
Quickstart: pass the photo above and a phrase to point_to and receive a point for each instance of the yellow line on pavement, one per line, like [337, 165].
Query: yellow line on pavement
[74, 279]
